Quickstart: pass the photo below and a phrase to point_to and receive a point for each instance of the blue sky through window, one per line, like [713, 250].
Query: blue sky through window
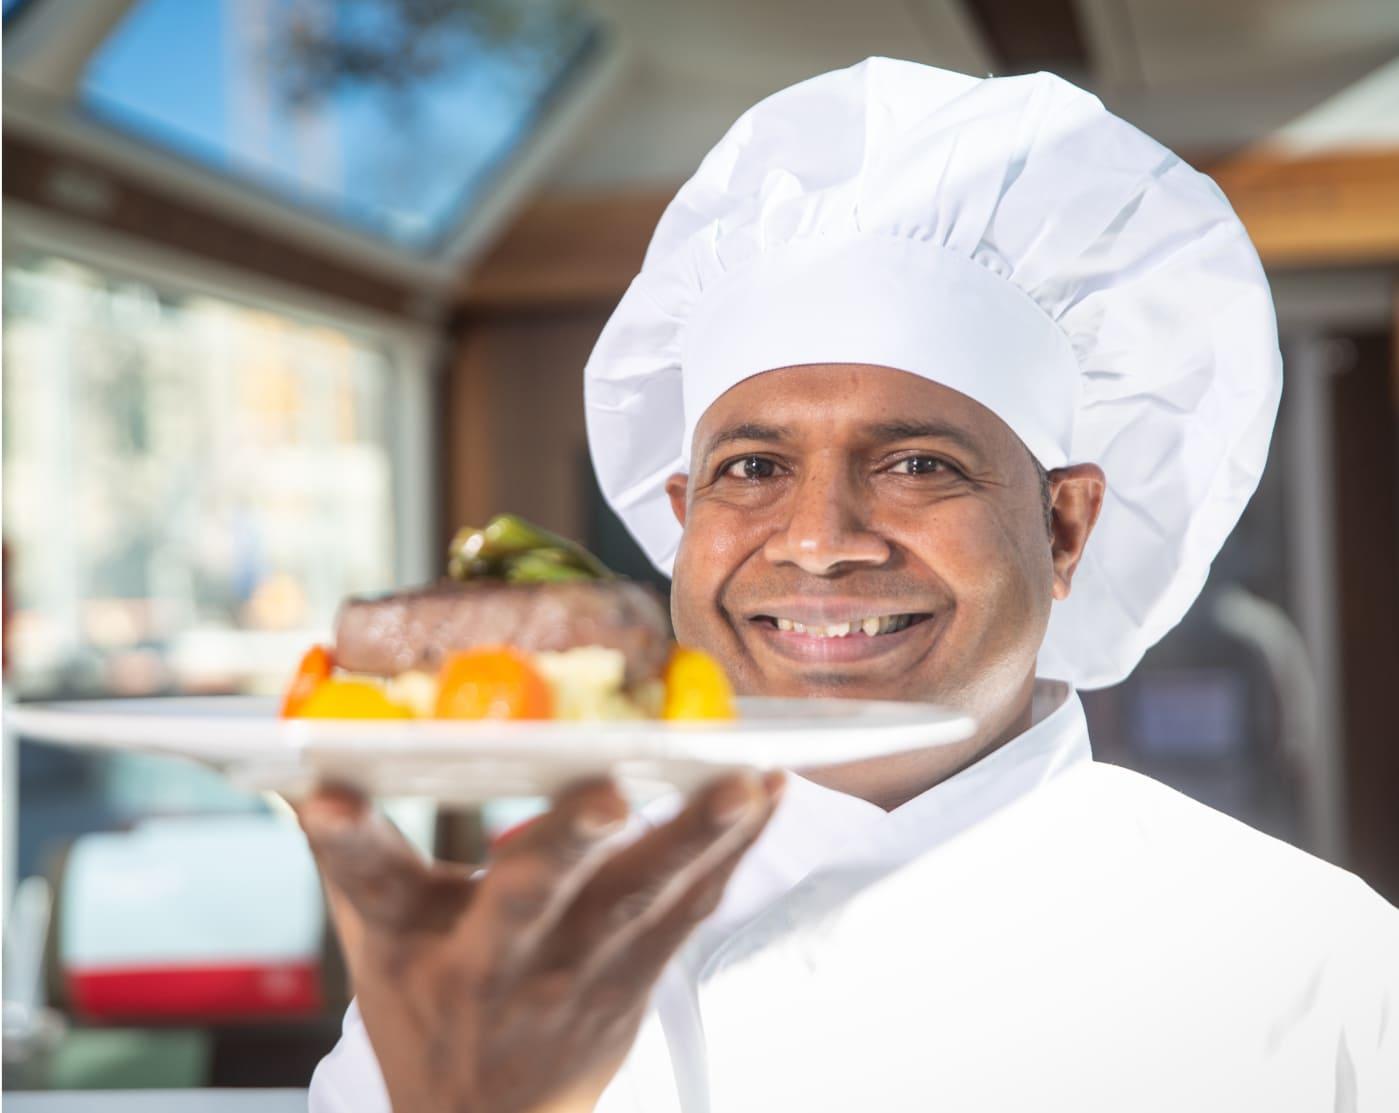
[208, 80]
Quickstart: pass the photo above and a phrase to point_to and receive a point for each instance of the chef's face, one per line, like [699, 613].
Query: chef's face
[901, 524]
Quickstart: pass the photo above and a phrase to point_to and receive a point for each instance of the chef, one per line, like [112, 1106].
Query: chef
[930, 387]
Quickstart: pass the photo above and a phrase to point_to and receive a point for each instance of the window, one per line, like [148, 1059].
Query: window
[191, 485]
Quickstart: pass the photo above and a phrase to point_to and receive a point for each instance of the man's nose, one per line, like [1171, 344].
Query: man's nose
[826, 528]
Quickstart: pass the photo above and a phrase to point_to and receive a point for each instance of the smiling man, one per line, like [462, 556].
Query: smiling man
[930, 388]
[876, 536]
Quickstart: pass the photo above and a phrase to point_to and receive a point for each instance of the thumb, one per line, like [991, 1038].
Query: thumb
[374, 878]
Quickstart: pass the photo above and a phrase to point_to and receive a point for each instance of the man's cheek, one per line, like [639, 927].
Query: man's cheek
[984, 579]
[690, 603]
[725, 534]
[702, 567]
[961, 550]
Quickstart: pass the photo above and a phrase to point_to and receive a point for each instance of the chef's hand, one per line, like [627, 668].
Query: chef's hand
[521, 988]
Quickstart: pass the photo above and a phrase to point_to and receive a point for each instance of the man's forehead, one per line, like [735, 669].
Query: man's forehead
[865, 401]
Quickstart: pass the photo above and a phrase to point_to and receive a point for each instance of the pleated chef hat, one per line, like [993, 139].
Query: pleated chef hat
[1006, 237]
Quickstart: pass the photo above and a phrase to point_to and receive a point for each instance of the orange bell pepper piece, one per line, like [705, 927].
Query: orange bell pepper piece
[315, 668]
[492, 682]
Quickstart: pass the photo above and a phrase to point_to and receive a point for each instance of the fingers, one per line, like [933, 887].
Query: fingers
[536, 873]
[645, 900]
[640, 955]
[551, 894]
[372, 873]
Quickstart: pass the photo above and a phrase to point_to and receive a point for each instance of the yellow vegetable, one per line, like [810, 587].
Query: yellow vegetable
[696, 687]
[350, 699]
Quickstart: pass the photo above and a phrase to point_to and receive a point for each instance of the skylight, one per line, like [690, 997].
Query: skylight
[388, 115]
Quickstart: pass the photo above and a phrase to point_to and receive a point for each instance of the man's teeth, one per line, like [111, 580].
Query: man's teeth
[875, 624]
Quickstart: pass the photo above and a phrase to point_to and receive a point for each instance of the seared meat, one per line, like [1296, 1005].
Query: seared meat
[390, 634]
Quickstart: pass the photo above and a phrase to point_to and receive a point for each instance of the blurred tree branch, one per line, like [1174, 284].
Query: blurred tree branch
[323, 48]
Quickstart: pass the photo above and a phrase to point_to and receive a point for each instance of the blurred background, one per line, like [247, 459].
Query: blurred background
[292, 288]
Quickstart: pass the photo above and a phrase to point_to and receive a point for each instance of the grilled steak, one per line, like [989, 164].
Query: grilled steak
[390, 634]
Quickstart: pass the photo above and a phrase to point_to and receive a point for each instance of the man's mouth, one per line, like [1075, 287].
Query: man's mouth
[873, 626]
[853, 639]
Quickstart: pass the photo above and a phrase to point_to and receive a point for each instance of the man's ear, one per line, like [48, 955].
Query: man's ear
[1076, 497]
[675, 487]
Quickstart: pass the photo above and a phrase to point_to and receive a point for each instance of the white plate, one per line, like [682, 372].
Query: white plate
[469, 762]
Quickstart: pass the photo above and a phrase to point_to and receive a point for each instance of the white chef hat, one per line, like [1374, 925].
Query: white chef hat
[1006, 237]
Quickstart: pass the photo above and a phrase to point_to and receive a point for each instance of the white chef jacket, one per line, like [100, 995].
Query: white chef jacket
[1039, 931]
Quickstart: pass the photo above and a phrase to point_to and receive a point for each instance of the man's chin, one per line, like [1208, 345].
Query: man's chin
[817, 683]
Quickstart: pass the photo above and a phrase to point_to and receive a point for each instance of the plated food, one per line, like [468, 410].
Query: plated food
[529, 666]
[527, 625]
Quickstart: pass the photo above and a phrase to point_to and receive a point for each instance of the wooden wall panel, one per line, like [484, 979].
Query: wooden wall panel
[530, 311]
[515, 434]
[1366, 438]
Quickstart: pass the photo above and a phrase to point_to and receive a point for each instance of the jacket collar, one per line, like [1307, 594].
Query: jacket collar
[818, 828]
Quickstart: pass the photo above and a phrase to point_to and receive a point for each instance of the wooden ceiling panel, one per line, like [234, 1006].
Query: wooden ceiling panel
[1029, 35]
[78, 189]
[1325, 210]
[1186, 41]
[567, 251]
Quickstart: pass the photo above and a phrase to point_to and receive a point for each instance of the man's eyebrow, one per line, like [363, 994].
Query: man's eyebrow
[885, 431]
[880, 432]
[748, 431]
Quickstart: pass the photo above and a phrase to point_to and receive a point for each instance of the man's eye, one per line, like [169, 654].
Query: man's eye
[748, 467]
[923, 465]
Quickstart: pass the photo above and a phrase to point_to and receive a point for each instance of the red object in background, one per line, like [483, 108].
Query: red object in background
[204, 993]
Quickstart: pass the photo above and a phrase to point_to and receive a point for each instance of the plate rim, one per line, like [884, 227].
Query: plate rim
[233, 741]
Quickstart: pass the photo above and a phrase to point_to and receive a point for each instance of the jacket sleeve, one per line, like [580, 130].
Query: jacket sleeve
[348, 1079]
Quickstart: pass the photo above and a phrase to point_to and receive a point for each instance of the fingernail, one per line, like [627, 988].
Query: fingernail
[320, 818]
[596, 825]
[732, 801]
[775, 781]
